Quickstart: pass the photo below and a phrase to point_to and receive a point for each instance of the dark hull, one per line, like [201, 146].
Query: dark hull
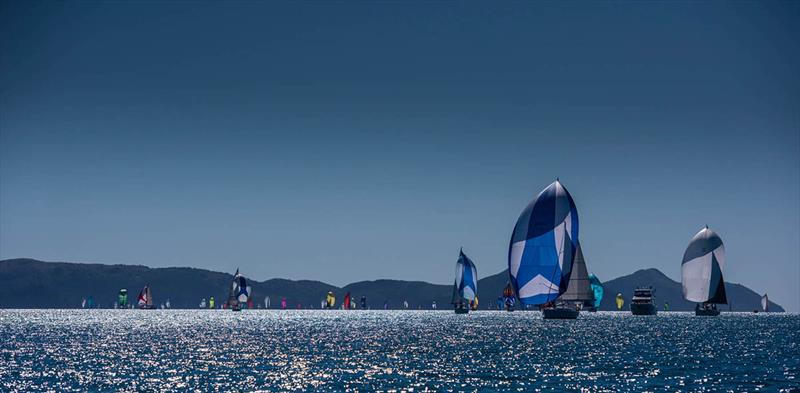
[706, 313]
[643, 309]
[462, 310]
[560, 313]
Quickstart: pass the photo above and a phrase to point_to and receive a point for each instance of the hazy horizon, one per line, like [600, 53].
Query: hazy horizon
[349, 142]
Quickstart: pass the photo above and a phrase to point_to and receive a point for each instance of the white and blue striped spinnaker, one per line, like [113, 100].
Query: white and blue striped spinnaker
[466, 284]
[543, 246]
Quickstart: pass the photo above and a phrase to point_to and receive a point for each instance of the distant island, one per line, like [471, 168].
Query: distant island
[30, 283]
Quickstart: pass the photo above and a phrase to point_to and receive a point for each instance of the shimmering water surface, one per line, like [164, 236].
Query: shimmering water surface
[207, 350]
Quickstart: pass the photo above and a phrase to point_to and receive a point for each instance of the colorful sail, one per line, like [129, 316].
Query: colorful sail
[620, 301]
[211, 302]
[597, 290]
[122, 298]
[145, 298]
[330, 300]
[346, 302]
[240, 291]
[579, 289]
[543, 245]
[765, 303]
[466, 285]
[701, 269]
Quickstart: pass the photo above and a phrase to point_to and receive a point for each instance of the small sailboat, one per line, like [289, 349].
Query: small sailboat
[765, 303]
[283, 303]
[509, 299]
[542, 252]
[167, 304]
[473, 305]
[433, 305]
[597, 292]
[620, 301]
[330, 300]
[579, 292]
[466, 284]
[122, 298]
[83, 302]
[240, 292]
[202, 303]
[266, 302]
[346, 302]
[145, 299]
[405, 304]
[211, 302]
[363, 302]
[701, 272]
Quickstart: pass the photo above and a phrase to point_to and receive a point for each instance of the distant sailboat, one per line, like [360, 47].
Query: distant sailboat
[240, 292]
[283, 303]
[363, 302]
[266, 302]
[579, 290]
[597, 291]
[83, 302]
[509, 299]
[620, 301]
[145, 299]
[203, 303]
[701, 272]
[473, 305]
[122, 298]
[466, 284]
[168, 304]
[542, 251]
[765, 303]
[330, 300]
[346, 302]
[211, 303]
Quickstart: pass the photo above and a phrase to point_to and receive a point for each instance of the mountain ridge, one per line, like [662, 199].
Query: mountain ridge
[64, 284]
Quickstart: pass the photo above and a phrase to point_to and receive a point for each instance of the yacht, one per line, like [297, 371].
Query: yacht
[642, 302]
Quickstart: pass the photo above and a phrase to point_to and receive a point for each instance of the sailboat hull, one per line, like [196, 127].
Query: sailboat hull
[560, 313]
[706, 313]
[462, 310]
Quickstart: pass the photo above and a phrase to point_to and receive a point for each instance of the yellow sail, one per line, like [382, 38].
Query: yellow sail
[330, 300]
[620, 301]
[474, 304]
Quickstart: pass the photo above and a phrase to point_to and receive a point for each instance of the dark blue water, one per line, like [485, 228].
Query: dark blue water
[207, 350]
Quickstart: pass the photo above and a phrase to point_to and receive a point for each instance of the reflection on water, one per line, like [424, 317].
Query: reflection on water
[215, 350]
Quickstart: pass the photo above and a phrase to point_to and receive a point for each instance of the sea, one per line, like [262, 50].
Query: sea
[395, 351]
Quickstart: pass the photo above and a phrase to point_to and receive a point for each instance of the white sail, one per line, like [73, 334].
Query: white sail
[765, 303]
[701, 269]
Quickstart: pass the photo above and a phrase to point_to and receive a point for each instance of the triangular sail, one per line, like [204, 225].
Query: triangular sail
[765, 303]
[543, 245]
[579, 288]
[701, 269]
[466, 284]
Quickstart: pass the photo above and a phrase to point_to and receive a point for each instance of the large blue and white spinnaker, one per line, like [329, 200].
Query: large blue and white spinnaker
[543, 246]
[465, 287]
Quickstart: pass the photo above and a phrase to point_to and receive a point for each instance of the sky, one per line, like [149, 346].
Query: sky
[353, 141]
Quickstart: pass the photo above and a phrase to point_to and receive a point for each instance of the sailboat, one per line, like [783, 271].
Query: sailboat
[579, 289]
[765, 303]
[266, 302]
[509, 299]
[283, 303]
[701, 272]
[167, 304]
[239, 293]
[330, 300]
[620, 300]
[473, 305]
[346, 302]
[122, 298]
[202, 303]
[145, 299]
[465, 286]
[542, 249]
[597, 292]
[211, 304]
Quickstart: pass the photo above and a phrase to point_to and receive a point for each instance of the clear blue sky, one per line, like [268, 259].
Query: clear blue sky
[344, 142]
